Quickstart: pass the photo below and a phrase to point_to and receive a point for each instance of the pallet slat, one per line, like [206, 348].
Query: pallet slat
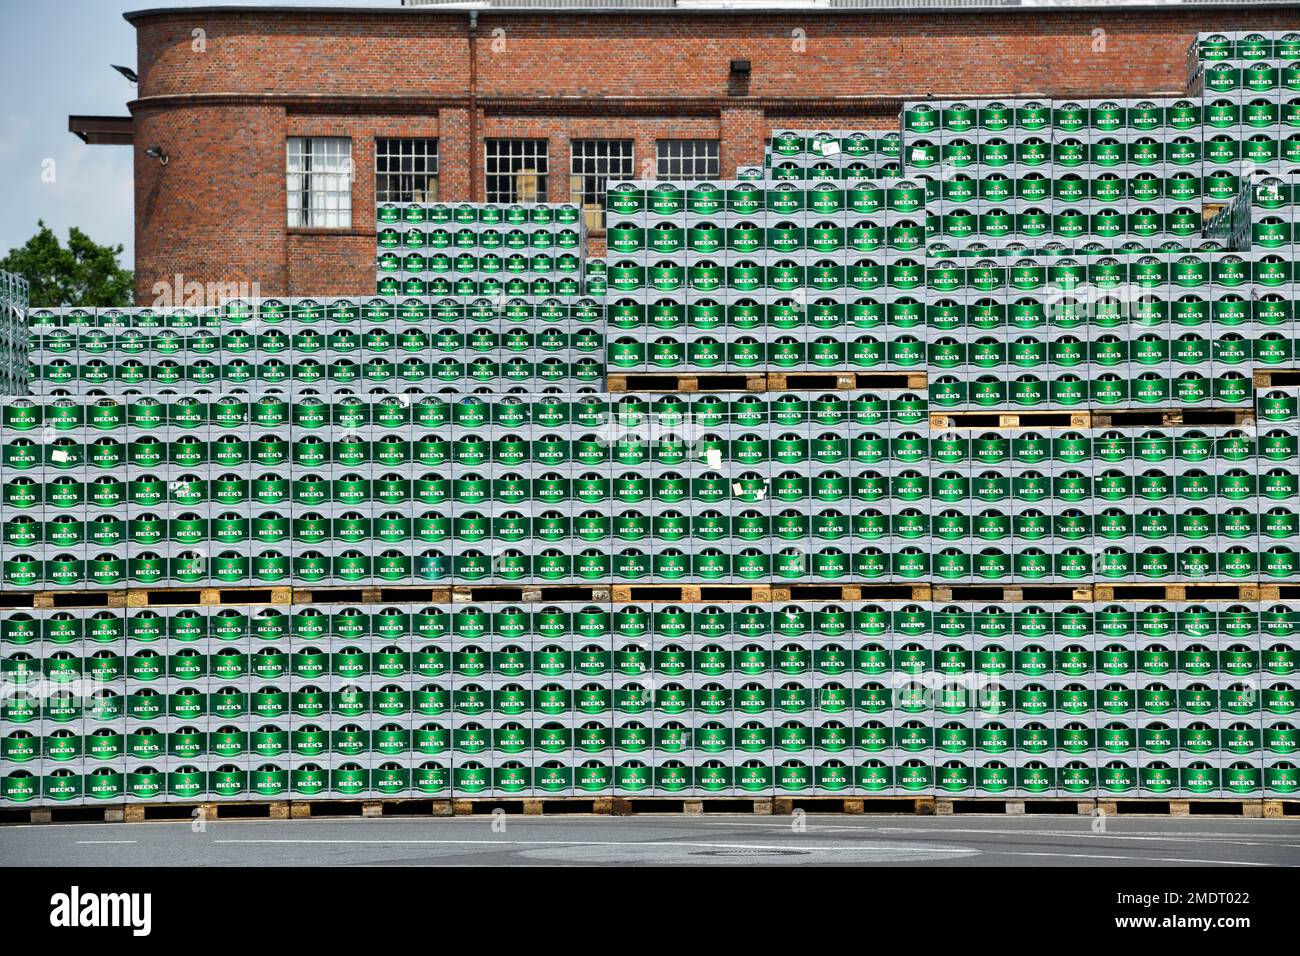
[604, 593]
[925, 805]
[832, 380]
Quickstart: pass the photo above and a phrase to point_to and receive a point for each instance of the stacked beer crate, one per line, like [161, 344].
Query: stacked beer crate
[14, 296]
[956, 463]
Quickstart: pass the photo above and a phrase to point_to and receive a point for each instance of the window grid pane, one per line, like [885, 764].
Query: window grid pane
[517, 170]
[318, 182]
[688, 159]
[406, 170]
[594, 162]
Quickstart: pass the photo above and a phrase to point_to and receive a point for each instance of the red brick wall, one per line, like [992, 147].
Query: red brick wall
[330, 262]
[334, 261]
[743, 130]
[453, 153]
[424, 52]
[252, 52]
[560, 131]
[216, 211]
[222, 102]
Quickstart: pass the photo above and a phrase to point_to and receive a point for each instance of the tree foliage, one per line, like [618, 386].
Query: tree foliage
[82, 273]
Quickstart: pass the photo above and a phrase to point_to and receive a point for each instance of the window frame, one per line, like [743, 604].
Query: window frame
[521, 149]
[665, 160]
[338, 175]
[429, 157]
[593, 213]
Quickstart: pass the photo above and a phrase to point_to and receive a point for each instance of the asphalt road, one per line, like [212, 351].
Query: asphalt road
[662, 841]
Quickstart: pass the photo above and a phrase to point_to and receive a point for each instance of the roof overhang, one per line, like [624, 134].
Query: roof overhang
[103, 130]
[866, 9]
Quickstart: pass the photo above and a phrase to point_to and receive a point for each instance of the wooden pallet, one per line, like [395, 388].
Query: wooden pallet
[299, 809]
[770, 382]
[1172, 417]
[13, 600]
[765, 593]
[999, 420]
[1049, 593]
[371, 595]
[1270, 809]
[842, 593]
[456, 594]
[145, 597]
[228, 810]
[611, 806]
[696, 805]
[1090, 593]
[389, 807]
[1246, 593]
[917, 806]
[1088, 806]
[695, 593]
[846, 381]
[1016, 806]
[142, 812]
[673, 382]
[210, 597]
[1004, 421]
[1276, 378]
[1011, 594]
[216, 811]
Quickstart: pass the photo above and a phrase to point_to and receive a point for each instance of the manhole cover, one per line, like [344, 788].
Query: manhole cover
[755, 852]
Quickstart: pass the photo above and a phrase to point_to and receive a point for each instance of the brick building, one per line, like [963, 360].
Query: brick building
[261, 112]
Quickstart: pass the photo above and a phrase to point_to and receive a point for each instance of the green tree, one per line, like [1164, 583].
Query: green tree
[82, 273]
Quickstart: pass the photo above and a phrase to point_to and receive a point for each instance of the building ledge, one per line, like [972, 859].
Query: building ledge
[103, 130]
[324, 231]
[697, 8]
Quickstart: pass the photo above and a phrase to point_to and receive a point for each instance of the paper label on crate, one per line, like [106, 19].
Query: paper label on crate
[830, 147]
[714, 458]
[918, 154]
[59, 455]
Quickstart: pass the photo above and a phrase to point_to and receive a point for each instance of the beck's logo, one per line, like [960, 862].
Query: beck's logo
[75, 909]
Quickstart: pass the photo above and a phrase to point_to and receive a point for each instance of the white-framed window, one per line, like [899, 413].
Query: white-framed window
[319, 181]
[594, 163]
[517, 170]
[688, 159]
[406, 170]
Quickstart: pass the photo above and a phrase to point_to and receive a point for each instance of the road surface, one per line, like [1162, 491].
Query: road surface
[665, 840]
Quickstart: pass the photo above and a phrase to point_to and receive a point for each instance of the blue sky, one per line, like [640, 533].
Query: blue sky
[55, 58]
